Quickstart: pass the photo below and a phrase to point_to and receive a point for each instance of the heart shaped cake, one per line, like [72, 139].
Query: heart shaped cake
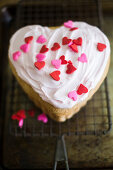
[60, 68]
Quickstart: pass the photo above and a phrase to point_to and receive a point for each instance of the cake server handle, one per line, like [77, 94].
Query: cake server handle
[61, 153]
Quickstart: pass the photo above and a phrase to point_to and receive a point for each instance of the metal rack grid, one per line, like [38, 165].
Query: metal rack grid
[94, 118]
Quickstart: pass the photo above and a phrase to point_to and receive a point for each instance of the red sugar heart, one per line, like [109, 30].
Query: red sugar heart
[74, 47]
[82, 89]
[31, 112]
[70, 61]
[28, 39]
[65, 41]
[39, 65]
[101, 46]
[19, 115]
[15, 117]
[74, 28]
[44, 49]
[55, 75]
[63, 61]
[78, 41]
[70, 68]
[55, 47]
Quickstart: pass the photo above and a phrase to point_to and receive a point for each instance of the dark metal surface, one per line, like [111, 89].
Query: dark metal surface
[55, 12]
[95, 117]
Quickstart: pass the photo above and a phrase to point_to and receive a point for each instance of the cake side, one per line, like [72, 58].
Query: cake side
[57, 114]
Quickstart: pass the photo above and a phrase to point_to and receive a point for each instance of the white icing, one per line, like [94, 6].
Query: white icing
[56, 92]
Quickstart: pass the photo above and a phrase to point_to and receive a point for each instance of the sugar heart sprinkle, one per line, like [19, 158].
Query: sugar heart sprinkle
[40, 57]
[25, 47]
[65, 41]
[55, 47]
[42, 117]
[44, 49]
[78, 41]
[74, 47]
[70, 69]
[83, 58]
[16, 55]
[41, 39]
[21, 122]
[19, 115]
[101, 47]
[82, 89]
[55, 75]
[31, 112]
[63, 61]
[70, 61]
[15, 117]
[28, 39]
[39, 65]
[56, 63]
[74, 28]
[68, 24]
[73, 95]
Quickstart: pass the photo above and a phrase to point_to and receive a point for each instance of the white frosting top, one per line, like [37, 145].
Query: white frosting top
[88, 74]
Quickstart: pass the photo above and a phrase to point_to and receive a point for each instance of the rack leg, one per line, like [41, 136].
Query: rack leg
[61, 153]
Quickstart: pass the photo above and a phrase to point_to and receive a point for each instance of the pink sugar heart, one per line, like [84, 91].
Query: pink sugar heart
[41, 39]
[56, 63]
[16, 55]
[21, 123]
[42, 117]
[72, 95]
[68, 24]
[25, 47]
[82, 58]
[40, 57]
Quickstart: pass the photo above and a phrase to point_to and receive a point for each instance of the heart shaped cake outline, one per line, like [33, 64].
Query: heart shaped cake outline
[73, 58]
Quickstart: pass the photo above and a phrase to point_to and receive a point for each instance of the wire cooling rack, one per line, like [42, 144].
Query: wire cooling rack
[92, 119]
